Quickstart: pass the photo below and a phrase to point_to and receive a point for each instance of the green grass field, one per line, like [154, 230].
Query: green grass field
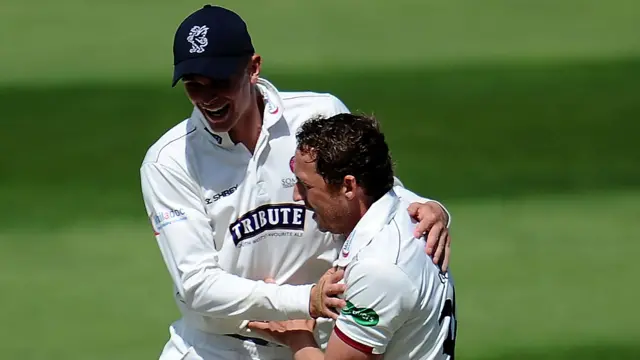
[521, 116]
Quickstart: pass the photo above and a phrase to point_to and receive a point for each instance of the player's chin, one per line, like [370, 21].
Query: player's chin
[319, 223]
[323, 229]
[221, 125]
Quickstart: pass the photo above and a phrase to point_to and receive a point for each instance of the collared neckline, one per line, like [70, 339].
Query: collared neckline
[273, 111]
[374, 220]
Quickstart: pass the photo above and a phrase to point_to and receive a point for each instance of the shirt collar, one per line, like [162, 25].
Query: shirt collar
[273, 111]
[377, 217]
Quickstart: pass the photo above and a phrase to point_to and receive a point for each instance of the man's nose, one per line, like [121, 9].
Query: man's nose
[210, 100]
[296, 194]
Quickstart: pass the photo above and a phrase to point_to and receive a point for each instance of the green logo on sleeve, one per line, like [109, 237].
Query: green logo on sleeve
[362, 316]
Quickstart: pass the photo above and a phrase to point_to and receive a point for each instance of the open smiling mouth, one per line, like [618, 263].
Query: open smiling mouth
[218, 112]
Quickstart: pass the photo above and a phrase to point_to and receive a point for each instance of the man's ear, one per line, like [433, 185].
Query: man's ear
[255, 65]
[349, 187]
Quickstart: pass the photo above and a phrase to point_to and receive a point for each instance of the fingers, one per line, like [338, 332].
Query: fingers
[336, 276]
[331, 315]
[336, 304]
[329, 272]
[413, 209]
[334, 289]
[442, 240]
[427, 214]
[269, 280]
[331, 307]
[426, 223]
[447, 253]
[433, 238]
[258, 325]
[330, 284]
[323, 300]
[331, 303]
[329, 312]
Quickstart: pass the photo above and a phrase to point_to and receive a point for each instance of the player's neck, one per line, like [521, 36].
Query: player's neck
[359, 210]
[247, 130]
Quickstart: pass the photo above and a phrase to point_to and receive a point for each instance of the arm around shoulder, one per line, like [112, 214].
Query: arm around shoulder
[412, 197]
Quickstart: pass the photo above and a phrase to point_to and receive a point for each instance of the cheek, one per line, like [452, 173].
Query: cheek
[330, 207]
[309, 199]
[245, 94]
[315, 200]
[198, 95]
[192, 95]
[242, 97]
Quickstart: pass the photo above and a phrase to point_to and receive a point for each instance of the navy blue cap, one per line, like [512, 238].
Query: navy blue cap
[213, 42]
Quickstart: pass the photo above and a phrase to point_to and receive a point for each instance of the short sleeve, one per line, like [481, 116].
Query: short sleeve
[379, 299]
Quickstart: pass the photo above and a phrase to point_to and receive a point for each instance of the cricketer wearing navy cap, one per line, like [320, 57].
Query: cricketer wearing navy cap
[213, 42]
[218, 191]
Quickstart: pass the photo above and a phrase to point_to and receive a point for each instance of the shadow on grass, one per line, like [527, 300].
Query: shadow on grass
[595, 352]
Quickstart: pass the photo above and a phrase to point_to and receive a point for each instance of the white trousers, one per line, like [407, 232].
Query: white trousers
[191, 344]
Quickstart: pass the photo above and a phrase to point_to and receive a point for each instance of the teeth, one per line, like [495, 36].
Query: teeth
[216, 109]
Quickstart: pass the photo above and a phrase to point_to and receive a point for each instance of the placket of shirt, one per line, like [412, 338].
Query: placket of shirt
[256, 163]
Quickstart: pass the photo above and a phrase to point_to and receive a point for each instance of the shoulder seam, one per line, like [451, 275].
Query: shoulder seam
[305, 96]
[176, 139]
[399, 240]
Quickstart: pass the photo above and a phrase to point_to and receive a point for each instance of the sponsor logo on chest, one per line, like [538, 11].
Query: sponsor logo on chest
[268, 217]
[289, 182]
[224, 193]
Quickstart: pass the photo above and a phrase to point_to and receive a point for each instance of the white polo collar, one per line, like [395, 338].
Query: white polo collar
[377, 216]
[273, 111]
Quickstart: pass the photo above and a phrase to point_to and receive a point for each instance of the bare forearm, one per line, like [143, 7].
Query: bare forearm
[305, 348]
[309, 353]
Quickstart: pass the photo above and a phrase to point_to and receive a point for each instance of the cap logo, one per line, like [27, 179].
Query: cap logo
[198, 39]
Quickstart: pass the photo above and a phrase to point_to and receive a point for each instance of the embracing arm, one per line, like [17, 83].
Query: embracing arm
[412, 197]
[185, 237]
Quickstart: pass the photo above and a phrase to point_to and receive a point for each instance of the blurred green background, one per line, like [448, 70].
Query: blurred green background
[521, 116]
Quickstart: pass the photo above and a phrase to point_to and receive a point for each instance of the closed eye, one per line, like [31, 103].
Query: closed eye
[303, 184]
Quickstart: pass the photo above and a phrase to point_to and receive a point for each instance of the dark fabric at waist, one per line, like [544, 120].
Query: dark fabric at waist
[256, 341]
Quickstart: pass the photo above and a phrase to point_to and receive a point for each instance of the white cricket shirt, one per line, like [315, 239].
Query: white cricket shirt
[225, 219]
[398, 302]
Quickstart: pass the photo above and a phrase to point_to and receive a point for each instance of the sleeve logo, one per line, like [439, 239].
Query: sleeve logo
[362, 316]
[165, 218]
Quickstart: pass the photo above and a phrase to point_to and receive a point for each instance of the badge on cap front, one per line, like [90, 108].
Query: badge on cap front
[198, 39]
